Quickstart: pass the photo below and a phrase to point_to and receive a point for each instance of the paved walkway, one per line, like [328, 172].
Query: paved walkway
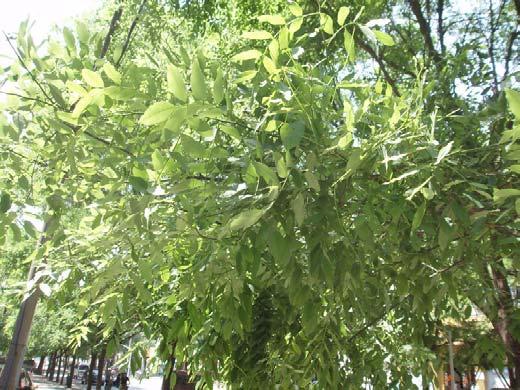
[44, 383]
[152, 383]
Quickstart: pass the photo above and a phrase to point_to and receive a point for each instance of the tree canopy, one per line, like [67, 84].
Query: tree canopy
[280, 193]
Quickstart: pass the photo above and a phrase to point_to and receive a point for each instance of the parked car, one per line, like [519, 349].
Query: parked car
[84, 378]
[82, 368]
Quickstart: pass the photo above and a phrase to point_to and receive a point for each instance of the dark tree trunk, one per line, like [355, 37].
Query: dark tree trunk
[49, 366]
[71, 373]
[53, 366]
[501, 324]
[60, 359]
[65, 365]
[168, 375]
[101, 366]
[39, 369]
[91, 368]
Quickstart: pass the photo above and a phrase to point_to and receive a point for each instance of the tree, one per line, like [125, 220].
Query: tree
[309, 202]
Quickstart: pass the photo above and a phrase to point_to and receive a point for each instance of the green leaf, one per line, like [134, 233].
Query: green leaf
[267, 173]
[281, 167]
[326, 23]
[197, 81]
[231, 131]
[354, 161]
[218, 87]
[157, 113]
[276, 20]
[350, 85]
[292, 133]
[69, 38]
[418, 217]
[246, 55]
[192, 147]
[92, 78]
[176, 120]
[158, 161]
[295, 9]
[82, 30]
[298, 207]
[312, 180]
[444, 152]
[246, 76]
[257, 35]
[384, 38]
[342, 15]
[138, 183]
[5, 202]
[112, 73]
[445, 235]
[513, 98]
[269, 65]
[350, 46]
[246, 219]
[500, 195]
[81, 105]
[176, 84]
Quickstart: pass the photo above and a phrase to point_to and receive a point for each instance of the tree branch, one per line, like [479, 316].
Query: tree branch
[113, 24]
[389, 79]
[130, 32]
[440, 24]
[424, 27]
[22, 62]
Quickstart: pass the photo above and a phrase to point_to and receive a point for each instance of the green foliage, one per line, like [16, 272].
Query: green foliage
[268, 211]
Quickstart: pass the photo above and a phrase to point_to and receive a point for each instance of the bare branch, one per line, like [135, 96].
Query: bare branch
[113, 24]
[130, 32]
[425, 29]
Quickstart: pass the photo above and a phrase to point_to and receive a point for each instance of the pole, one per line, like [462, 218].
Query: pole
[452, 369]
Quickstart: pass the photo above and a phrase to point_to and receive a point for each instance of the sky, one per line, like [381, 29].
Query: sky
[44, 14]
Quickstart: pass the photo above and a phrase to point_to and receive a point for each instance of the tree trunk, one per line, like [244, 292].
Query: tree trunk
[168, 376]
[101, 365]
[49, 366]
[22, 328]
[91, 368]
[71, 373]
[53, 366]
[39, 369]
[65, 365]
[501, 324]
[60, 360]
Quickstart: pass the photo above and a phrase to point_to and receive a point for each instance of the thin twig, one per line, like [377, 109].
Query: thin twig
[22, 62]
[27, 98]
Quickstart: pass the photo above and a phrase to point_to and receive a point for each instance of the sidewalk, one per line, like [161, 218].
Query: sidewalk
[43, 383]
